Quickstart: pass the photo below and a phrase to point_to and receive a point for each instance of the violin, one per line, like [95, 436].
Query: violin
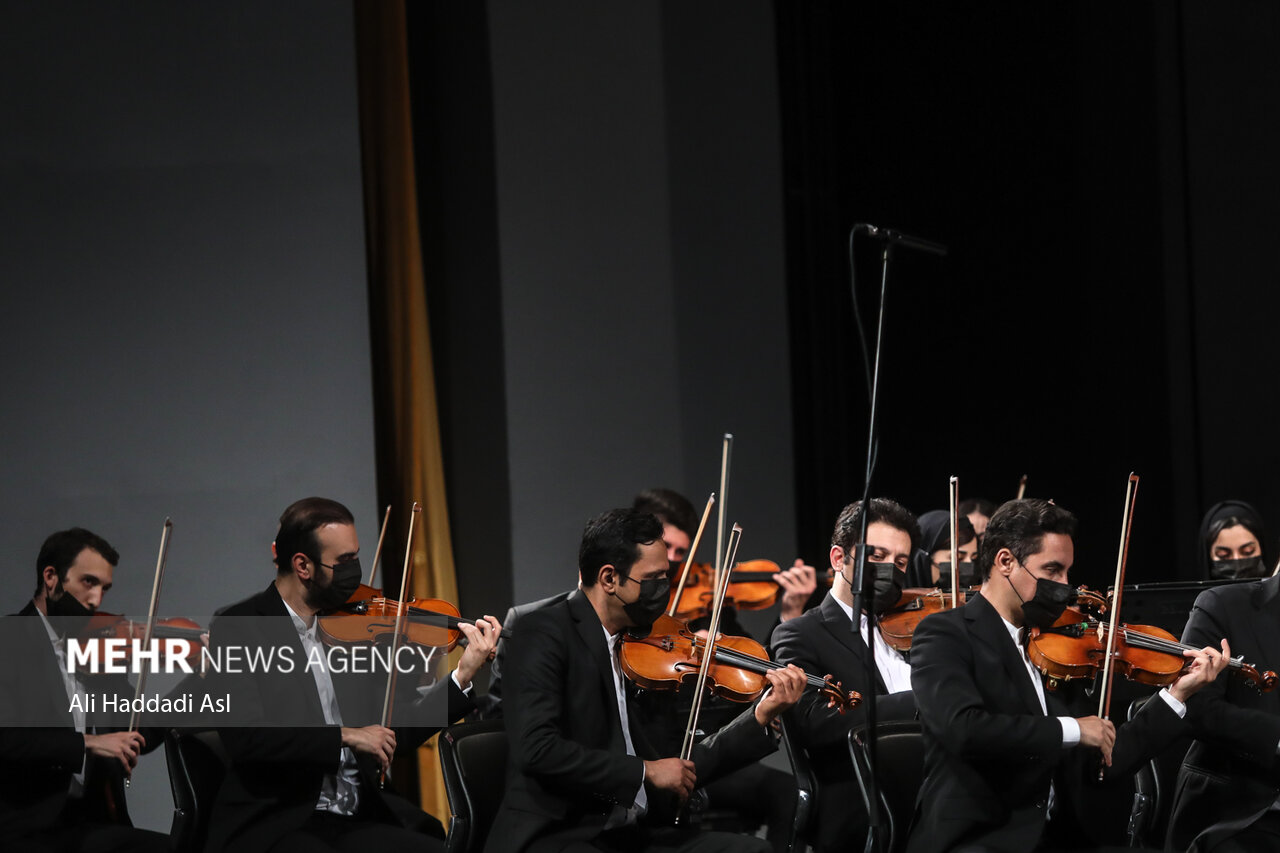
[899, 624]
[672, 654]
[105, 626]
[1075, 645]
[751, 587]
[368, 616]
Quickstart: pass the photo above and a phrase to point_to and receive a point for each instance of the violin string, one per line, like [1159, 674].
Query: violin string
[748, 662]
[1159, 644]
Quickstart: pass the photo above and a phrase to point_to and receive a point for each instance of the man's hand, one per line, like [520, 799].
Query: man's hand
[1095, 731]
[378, 741]
[482, 645]
[1204, 667]
[798, 584]
[785, 686]
[122, 746]
[671, 774]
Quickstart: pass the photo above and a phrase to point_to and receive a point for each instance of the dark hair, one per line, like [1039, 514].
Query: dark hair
[1249, 524]
[1020, 526]
[935, 531]
[670, 507]
[611, 538]
[982, 505]
[892, 513]
[298, 526]
[61, 549]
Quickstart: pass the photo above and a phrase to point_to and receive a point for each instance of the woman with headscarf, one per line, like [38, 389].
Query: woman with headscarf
[1232, 542]
[931, 565]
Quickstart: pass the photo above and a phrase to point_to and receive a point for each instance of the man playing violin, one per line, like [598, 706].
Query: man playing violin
[757, 793]
[306, 745]
[1001, 770]
[679, 526]
[581, 774]
[823, 641]
[61, 779]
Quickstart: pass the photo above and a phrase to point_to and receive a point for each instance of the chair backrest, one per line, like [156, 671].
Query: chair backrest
[899, 748]
[1154, 783]
[197, 764]
[473, 759]
[806, 788]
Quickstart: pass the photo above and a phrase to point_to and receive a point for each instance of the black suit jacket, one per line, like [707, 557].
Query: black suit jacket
[37, 763]
[274, 780]
[990, 751]
[822, 642]
[491, 706]
[1230, 775]
[568, 765]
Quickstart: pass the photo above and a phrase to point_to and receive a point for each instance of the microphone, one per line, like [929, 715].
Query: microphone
[889, 236]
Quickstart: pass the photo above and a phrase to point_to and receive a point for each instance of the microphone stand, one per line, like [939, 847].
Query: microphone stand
[875, 836]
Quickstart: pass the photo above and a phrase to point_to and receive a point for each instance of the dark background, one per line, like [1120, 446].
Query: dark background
[1103, 176]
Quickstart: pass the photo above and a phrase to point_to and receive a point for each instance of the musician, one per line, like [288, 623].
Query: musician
[581, 775]
[823, 642]
[306, 744]
[931, 563]
[999, 764]
[1226, 796]
[61, 784]
[757, 794]
[679, 526]
[1232, 542]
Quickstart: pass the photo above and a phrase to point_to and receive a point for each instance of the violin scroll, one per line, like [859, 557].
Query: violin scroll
[837, 697]
[1263, 682]
[1089, 601]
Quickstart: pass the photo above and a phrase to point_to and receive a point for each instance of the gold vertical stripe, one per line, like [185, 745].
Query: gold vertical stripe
[398, 301]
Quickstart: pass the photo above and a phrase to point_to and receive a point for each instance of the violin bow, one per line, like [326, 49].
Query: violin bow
[955, 545]
[398, 633]
[1108, 671]
[726, 451]
[1022, 489]
[151, 624]
[377, 551]
[688, 560]
[722, 587]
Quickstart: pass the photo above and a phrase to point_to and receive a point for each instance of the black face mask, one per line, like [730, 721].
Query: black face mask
[673, 569]
[648, 606]
[1245, 567]
[888, 581]
[67, 615]
[1047, 604]
[345, 580]
[968, 575]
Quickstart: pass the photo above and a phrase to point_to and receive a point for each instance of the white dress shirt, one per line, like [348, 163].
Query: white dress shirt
[624, 815]
[339, 792]
[893, 667]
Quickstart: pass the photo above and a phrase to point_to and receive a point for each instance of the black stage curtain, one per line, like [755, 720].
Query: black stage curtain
[1044, 150]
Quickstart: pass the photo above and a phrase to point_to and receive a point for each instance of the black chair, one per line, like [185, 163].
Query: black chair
[900, 773]
[806, 789]
[473, 758]
[197, 764]
[1153, 789]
